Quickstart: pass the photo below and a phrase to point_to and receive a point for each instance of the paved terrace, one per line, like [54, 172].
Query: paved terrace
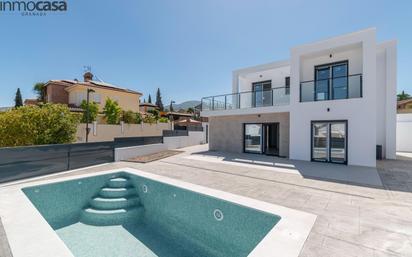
[359, 216]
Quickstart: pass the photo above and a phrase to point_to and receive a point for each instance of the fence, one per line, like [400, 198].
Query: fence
[189, 128]
[30, 161]
[175, 133]
[135, 141]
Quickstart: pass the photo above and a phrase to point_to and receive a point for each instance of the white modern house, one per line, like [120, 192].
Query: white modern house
[333, 101]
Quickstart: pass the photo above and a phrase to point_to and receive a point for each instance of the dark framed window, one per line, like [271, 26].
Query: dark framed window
[331, 81]
[262, 93]
[287, 85]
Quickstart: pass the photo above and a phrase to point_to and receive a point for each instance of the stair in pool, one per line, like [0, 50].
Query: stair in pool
[116, 203]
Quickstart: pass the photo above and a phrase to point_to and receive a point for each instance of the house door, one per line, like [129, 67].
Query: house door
[329, 141]
[271, 138]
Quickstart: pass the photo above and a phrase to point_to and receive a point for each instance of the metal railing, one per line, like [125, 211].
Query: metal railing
[251, 99]
[331, 89]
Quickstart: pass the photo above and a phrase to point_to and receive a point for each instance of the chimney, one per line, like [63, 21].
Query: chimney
[88, 76]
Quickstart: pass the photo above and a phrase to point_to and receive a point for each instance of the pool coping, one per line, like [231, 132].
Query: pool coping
[29, 234]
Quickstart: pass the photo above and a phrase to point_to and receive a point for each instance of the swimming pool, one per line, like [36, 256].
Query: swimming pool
[132, 213]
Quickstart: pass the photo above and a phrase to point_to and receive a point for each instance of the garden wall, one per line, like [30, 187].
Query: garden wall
[106, 132]
[169, 143]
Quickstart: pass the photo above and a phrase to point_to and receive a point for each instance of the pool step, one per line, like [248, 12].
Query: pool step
[118, 182]
[98, 217]
[117, 192]
[114, 203]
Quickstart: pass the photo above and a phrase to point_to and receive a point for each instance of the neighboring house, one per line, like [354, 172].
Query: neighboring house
[177, 115]
[333, 101]
[73, 92]
[31, 102]
[404, 106]
[145, 107]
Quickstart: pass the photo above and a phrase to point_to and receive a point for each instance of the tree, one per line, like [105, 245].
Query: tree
[155, 113]
[112, 111]
[149, 100]
[138, 118]
[190, 110]
[159, 100]
[39, 89]
[403, 96]
[93, 111]
[18, 101]
[37, 125]
[128, 117]
[171, 106]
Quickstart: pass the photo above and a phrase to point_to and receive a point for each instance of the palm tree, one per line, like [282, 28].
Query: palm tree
[39, 89]
[403, 96]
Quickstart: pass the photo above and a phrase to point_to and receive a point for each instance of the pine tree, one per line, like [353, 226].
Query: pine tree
[171, 106]
[18, 101]
[159, 100]
[149, 100]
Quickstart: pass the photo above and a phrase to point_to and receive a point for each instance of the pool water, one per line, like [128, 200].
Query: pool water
[124, 215]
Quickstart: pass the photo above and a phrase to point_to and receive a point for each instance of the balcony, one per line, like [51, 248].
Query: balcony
[252, 99]
[331, 89]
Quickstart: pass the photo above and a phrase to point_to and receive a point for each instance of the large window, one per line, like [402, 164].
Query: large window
[262, 93]
[331, 81]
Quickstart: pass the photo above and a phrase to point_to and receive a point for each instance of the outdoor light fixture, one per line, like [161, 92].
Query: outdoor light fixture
[87, 113]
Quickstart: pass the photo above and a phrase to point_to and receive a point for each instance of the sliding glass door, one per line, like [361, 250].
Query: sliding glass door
[253, 138]
[329, 141]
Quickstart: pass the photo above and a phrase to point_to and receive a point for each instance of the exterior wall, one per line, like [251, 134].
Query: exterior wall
[359, 112]
[404, 132]
[371, 118]
[169, 143]
[226, 132]
[57, 94]
[353, 56]
[105, 132]
[386, 98]
[127, 101]
[276, 75]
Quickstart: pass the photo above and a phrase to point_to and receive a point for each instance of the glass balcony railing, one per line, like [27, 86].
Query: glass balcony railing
[331, 89]
[252, 99]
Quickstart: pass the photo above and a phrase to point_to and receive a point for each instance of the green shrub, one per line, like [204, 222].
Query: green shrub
[163, 120]
[138, 118]
[112, 111]
[37, 125]
[155, 113]
[129, 117]
[93, 111]
[149, 118]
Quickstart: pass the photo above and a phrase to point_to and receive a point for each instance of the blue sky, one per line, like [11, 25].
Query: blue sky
[187, 48]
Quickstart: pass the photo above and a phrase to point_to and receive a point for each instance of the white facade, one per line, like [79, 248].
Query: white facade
[370, 116]
[404, 132]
